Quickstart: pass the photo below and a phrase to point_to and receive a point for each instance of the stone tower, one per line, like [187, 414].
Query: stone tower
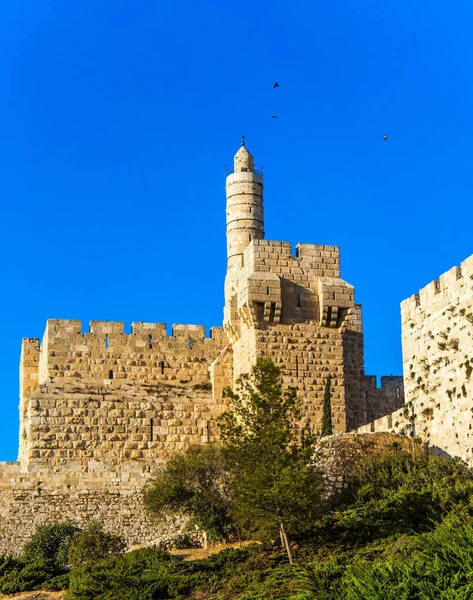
[245, 218]
[295, 308]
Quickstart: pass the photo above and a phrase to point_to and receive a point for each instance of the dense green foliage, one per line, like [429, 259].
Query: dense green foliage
[139, 575]
[397, 554]
[269, 454]
[94, 544]
[431, 566]
[51, 543]
[327, 428]
[403, 530]
[45, 560]
[196, 482]
[397, 493]
[42, 563]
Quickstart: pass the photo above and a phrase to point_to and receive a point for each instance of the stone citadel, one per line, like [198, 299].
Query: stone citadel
[99, 410]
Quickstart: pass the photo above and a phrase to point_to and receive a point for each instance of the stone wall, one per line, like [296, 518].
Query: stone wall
[113, 396]
[145, 355]
[437, 347]
[307, 354]
[104, 492]
[112, 494]
[119, 422]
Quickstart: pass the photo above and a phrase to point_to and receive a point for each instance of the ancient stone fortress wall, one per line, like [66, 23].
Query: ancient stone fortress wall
[146, 355]
[381, 401]
[111, 494]
[437, 347]
[98, 413]
[295, 309]
[110, 396]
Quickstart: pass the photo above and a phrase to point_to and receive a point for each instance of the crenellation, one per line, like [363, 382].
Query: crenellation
[156, 330]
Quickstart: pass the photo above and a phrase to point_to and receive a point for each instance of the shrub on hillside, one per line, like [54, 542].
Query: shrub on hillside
[50, 543]
[197, 483]
[145, 574]
[94, 544]
[18, 576]
[41, 565]
[397, 492]
[439, 565]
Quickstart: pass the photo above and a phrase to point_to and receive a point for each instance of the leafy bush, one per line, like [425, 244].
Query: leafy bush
[39, 573]
[94, 544]
[50, 543]
[41, 565]
[439, 566]
[397, 492]
[146, 574]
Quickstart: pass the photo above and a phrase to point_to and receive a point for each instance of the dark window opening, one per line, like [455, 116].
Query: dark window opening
[267, 290]
[151, 432]
[297, 367]
[272, 312]
[189, 344]
[259, 311]
[106, 341]
[110, 374]
[298, 300]
[250, 210]
[249, 238]
[161, 364]
[150, 341]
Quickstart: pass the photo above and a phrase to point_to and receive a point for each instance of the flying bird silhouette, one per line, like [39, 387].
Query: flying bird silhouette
[276, 85]
[385, 138]
[274, 117]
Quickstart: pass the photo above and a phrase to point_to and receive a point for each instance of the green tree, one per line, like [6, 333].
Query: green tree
[269, 453]
[327, 428]
[196, 482]
[94, 544]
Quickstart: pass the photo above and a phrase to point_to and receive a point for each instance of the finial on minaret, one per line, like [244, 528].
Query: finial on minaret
[243, 141]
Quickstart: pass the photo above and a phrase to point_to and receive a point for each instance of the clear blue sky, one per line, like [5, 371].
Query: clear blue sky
[117, 120]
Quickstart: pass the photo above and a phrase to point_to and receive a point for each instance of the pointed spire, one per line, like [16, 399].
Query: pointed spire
[243, 160]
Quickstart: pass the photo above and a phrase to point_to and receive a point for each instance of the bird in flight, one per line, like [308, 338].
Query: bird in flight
[276, 85]
[385, 137]
[274, 117]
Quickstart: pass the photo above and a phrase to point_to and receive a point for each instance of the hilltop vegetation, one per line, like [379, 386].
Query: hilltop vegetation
[402, 530]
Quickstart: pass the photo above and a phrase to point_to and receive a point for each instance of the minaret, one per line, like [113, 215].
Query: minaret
[245, 219]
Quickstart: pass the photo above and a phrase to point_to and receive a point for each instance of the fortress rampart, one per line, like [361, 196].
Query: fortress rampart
[110, 396]
[106, 353]
[437, 348]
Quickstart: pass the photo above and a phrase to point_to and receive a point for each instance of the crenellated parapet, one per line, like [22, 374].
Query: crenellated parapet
[106, 354]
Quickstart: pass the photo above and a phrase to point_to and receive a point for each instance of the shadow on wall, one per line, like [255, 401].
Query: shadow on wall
[437, 451]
